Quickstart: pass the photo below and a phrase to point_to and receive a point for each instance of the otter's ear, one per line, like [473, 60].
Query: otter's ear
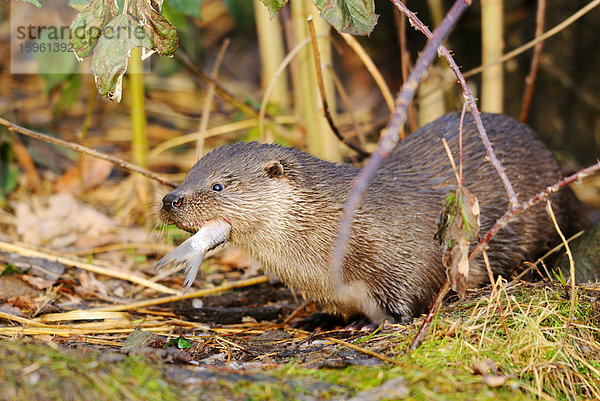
[274, 169]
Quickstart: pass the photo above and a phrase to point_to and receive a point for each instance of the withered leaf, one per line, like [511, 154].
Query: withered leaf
[138, 338]
[458, 226]
[112, 52]
[163, 34]
[87, 26]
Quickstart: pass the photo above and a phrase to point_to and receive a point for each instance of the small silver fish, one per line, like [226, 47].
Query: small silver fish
[192, 251]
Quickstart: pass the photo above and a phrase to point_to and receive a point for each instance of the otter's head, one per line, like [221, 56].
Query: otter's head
[249, 185]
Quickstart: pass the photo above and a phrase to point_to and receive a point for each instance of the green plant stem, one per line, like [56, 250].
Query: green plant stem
[139, 139]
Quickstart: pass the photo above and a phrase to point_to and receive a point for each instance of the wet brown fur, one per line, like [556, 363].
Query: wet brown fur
[284, 206]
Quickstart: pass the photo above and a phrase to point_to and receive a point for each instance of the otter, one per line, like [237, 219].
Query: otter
[282, 206]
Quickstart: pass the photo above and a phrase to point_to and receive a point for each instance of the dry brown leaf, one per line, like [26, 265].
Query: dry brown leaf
[88, 173]
[60, 221]
[37, 282]
[494, 380]
[484, 367]
[90, 285]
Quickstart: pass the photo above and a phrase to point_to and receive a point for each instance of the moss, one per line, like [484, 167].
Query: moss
[40, 372]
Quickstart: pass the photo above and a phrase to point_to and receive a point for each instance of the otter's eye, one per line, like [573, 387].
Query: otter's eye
[217, 187]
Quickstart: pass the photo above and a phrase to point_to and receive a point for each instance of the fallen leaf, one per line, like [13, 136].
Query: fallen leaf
[88, 173]
[138, 338]
[37, 282]
[484, 367]
[495, 381]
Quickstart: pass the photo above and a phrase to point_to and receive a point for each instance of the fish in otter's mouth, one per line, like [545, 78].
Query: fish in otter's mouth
[208, 236]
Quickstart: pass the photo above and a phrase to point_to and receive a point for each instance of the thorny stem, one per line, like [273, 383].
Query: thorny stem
[470, 99]
[82, 149]
[522, 207]
[390, 135]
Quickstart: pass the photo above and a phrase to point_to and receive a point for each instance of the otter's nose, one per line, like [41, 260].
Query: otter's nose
[172, 200]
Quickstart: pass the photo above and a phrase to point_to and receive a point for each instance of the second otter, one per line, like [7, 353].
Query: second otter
[283, 206]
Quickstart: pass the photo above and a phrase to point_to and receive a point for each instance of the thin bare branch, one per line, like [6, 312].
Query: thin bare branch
[209, 99]
[522, 207]
[416, 342]
[321, 85]
[400, 21]
[198, 73]
[540, 20]
[523, 48]
[82, 149]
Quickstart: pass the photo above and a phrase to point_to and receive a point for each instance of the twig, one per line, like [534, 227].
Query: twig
[571, 270]
[416, 342]
[390, 136]
[372, 68]
[190, 64]
[522, 207]
[296, 311]
[214, 131]
[86, 266]
[460, 143]
[321, 85]
[535, 61]
[400, 21]
[194, 294]
[365, 351]
[348, 106]
[446, 286]
[533, 266]
[523, 48]
[82, 149]
[265, 98]
[470, 99]
[24, 158]
[452, 163]
[495, 290]
[209, 98]
[584, 10]
[123, 246]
